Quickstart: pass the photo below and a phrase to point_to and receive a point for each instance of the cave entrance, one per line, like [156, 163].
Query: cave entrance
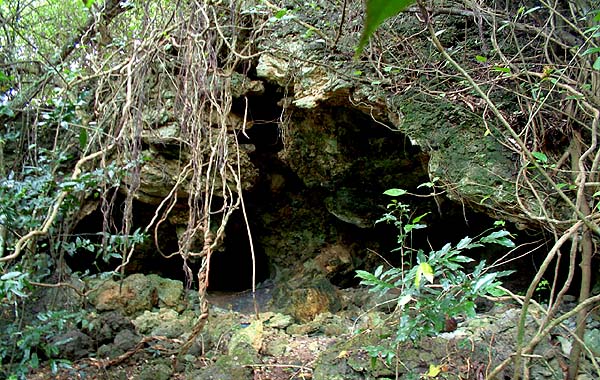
[231, 267]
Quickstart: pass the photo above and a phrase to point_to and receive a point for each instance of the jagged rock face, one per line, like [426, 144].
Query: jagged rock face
[329, 125]
[314, 178]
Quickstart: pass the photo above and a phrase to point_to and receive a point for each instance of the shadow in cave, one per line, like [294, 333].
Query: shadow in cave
[231, 267]
[146, 258]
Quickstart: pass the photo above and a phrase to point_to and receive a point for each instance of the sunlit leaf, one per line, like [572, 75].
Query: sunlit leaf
[405, 299]
[541, 157]
[499, 237]
[280, 13]
[343, 354]
[426, 271]
[464, 242]
[10, 275]
[395, 192]
[484, 281]
[377, 12]
[418, 218]
[531, 10]
[434, 370]
[501, 69]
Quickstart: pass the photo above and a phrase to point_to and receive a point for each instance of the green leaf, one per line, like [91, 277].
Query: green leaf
[5, 110]
[499, 237]
[280, 13]
[417, 226]
[405, 299]
[480, 58]
[484, 281]
[377, 12]
[434, 370]
[395, 192]
[505, 70]
[418, 218]
[464, 243]
[531, 10]
[540, 157]
[83, 138]
[88, 3]
[378, 271]
[18, 292]
[591, 51]
[10, 276]
[426, 271]
[596, 65]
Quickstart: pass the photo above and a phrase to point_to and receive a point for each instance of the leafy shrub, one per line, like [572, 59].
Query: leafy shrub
[432, 286]
[25, 346]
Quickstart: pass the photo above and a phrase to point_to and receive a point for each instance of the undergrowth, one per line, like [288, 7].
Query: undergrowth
[431, 288]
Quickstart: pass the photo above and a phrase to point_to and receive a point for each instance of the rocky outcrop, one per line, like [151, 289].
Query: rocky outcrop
[358, 342]
[325, 137]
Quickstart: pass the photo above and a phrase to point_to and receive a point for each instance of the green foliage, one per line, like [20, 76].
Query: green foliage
[436, 285]
[399, 215]
[39, 29]
[380, 353]
[13, 286]
[105, 246]
[594, 32]
[24, 346]
[25, 198]
[377, 12]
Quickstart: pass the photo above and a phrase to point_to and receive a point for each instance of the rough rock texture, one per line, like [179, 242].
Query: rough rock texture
[138, 293]
[326, 136]
[165, 322]
[356, 343]
[331, 120]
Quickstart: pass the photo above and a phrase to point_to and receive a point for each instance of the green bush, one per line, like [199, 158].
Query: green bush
[432, 286]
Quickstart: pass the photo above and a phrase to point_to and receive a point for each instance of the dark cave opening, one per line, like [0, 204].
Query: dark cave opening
[231, 266]
[284, 208]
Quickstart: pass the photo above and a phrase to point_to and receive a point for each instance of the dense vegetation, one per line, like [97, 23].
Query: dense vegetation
[79, 79]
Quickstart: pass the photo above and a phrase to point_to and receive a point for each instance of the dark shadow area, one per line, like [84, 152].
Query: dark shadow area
[231, 267]
[146, 258]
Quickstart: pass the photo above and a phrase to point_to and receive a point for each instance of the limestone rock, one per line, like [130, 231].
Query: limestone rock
[137, 293]
[165, 322]
[72, 344]
[251, 335]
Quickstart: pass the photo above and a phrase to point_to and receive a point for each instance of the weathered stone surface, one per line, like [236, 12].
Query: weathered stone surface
[251, 335]
[163, 167]
[137, 293]
[72, 344]
[468, 160]
[165, 322]
[125, 340]
[335, 261]
[156, 371]
[306, 304]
